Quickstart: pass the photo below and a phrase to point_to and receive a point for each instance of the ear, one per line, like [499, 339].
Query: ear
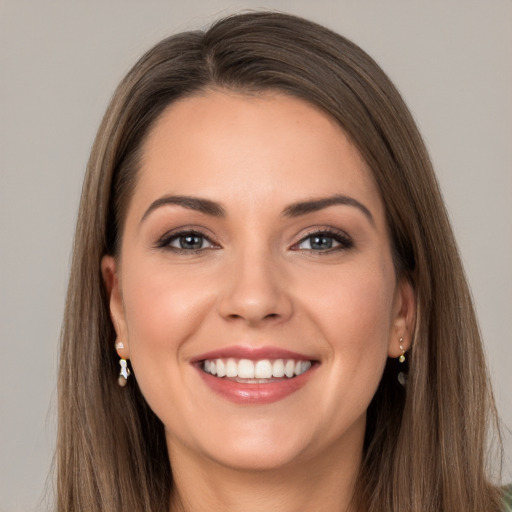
[404, 318]
[109, 271]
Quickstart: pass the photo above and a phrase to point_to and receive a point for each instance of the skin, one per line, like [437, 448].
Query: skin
[257, 282]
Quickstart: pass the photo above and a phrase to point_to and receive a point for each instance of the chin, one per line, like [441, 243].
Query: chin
[253, 456]
[246, 445]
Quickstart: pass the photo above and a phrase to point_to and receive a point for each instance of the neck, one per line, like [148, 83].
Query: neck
[325, 483]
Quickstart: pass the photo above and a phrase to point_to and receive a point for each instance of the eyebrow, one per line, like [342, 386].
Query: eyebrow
[192, 203]
[314, 205]
[214, 209]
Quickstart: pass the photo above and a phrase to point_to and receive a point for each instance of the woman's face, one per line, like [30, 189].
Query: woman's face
[255, 292]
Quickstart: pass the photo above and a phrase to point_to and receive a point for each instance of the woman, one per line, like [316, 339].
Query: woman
[264, 262]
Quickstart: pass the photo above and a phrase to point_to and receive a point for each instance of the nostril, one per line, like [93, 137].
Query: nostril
[270, 316]
[255, 303]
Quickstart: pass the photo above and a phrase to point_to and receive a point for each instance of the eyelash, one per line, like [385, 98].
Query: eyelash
[344, 241]
[167, 239]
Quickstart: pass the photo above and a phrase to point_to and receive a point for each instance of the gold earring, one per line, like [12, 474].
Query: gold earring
[402, 378]
[402, 355]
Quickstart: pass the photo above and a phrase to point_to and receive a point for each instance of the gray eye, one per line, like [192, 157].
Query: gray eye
[190, 242]
[318, 242]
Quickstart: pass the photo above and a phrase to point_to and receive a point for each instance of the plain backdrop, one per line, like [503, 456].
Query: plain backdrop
[59, 63]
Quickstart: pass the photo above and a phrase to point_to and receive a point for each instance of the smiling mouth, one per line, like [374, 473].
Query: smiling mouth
[261, 371]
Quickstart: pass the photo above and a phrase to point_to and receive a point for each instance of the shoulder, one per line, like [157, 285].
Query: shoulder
[507, 499]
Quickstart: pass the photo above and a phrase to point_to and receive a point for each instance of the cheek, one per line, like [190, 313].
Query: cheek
[355, 317]
[162, 309]
[357, 320]
[355, 306]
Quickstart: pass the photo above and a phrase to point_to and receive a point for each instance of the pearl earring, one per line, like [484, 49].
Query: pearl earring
[124, 373]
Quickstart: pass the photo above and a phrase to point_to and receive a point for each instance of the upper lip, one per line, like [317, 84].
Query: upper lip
[253, 353]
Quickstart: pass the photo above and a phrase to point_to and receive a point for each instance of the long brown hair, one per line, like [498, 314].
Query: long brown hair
[425, 446]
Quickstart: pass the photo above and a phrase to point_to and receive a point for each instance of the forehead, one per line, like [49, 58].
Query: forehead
[265, 148]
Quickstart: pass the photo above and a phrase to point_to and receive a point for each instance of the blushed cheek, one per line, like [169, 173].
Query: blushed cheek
[361, 310]
[155, 324]
[150, 311]
[163, 310]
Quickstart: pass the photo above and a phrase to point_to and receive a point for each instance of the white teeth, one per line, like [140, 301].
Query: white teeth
[263, 369]
[245, 369]
[278, 368]
[305, 366]
[257, 371]
[221, 368]
[289, 368]
[231, 368]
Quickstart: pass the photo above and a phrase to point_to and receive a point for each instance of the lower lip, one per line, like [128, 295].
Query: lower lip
[257, 394]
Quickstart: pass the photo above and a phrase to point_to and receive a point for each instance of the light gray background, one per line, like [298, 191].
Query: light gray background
[60, 62]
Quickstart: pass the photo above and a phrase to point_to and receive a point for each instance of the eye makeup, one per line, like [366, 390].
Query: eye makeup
[324, 240]
[186, 240]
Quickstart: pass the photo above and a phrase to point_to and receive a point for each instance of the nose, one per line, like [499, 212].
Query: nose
[255, 291]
